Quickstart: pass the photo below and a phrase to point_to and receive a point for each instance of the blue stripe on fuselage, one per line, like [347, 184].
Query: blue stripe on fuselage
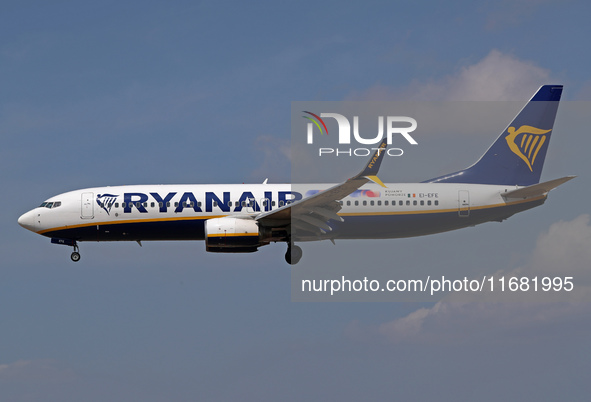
[354, 227]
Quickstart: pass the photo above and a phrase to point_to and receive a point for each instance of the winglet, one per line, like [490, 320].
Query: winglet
[371, 169]
[376, 180]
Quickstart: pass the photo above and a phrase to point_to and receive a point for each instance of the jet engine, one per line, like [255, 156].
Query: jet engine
[232, 235]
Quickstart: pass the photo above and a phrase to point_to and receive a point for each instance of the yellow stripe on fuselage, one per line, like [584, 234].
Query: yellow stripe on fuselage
[188, 218]
[196, 218]
[439, 211]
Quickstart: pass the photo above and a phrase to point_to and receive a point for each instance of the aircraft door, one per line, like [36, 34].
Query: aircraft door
[464, 203]
[87, 206]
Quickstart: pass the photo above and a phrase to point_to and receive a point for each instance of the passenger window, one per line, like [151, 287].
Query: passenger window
[176, 204]
[407, 202]
[422, 202]
[371, 203]
[229, 203]
[428, 202]
[168, 204]
[414, 202]
[272, 203]
[198, 204]
[356, 203]
[215, 203]
[379, 203]
[152, 205]
[348, 203]
[400, 202]
[364, 203]
[436, 202]
[160, 204]
[341, 203]
[116, 205]
[243, 203]
[280, 203]
[386, 203]
[145, 204]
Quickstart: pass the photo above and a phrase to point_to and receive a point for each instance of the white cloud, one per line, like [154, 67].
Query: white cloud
[564, 250]
[453, 104]
[566, 247]
[497, 77]
[41, 370]
[276, 158]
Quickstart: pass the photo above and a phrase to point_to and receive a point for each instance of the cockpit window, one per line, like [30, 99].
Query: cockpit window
[50, 204]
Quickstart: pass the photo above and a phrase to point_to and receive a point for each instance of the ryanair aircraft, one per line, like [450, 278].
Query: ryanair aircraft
[240, 218]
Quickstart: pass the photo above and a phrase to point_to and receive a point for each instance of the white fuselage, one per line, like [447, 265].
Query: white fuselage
[177, 212]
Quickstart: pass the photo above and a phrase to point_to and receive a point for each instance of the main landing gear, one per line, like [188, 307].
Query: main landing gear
[293, 254]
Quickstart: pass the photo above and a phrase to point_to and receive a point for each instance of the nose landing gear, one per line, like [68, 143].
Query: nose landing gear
[75, 256]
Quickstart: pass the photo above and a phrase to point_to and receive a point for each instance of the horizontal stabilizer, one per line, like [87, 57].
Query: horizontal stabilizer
[537, 189]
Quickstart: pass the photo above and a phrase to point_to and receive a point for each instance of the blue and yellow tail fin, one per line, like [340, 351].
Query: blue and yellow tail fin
[518, 154]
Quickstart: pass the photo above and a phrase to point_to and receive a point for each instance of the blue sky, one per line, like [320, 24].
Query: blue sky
[108, 93]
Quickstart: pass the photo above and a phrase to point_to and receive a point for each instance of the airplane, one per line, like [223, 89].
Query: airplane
[240, 218]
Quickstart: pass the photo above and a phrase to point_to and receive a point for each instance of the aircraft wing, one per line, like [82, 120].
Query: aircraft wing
[537, 189]
[312, 214]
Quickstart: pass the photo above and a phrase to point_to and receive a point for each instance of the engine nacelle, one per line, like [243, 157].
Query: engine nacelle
[232, 235]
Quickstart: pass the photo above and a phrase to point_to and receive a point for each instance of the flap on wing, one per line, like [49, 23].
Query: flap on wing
[537, 189]
[325, 203]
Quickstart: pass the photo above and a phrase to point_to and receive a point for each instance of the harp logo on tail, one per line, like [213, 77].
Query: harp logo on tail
[526, 142]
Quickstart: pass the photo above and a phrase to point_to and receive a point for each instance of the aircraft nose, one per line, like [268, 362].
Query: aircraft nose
[27, 220]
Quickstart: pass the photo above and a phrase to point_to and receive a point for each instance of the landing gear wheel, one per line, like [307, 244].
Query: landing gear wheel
[293, 255]
[75, 256]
